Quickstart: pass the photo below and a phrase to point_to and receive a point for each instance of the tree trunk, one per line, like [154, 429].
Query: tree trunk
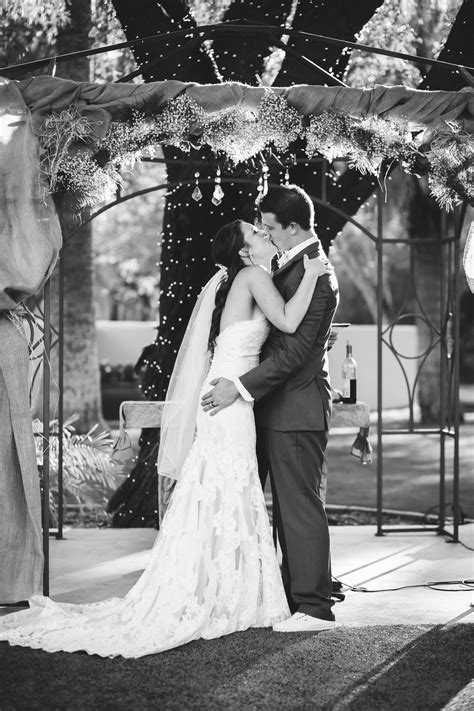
[342, 19]
[81, 390]
[241, 60]
[352, 189]
[425, 223]
[188, 226]
[459, 47]
[334, 18]
[425, 219]
[81, 359]
[135, 503]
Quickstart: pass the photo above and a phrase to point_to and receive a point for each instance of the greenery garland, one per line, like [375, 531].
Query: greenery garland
[73, 161]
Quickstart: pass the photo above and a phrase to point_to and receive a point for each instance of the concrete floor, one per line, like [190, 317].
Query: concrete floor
[93, 564]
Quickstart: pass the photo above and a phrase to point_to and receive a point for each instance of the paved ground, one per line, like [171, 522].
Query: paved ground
[411, 472]
[93, 564]
[410, 476]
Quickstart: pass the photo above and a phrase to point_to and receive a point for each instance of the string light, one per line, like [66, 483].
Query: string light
[177, 253]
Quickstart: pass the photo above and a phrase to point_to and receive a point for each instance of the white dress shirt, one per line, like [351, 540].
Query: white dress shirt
[287, 255]
[290, 253]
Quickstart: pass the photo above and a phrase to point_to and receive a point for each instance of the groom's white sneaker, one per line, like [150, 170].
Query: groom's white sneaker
[299, 622]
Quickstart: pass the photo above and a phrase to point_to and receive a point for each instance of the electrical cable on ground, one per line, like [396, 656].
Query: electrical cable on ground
[468, 584]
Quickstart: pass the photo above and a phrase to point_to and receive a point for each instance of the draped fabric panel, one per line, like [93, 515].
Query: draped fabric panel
[30, 239]
[30, 235]
[420, 108]
[21, 552]
[102, 103]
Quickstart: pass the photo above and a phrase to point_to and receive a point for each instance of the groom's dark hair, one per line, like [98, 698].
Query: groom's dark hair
[289, 203]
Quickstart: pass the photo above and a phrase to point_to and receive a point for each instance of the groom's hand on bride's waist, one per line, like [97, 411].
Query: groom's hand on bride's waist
[223, 394]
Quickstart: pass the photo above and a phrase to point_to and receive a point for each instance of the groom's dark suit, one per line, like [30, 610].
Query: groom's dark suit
[293, 408]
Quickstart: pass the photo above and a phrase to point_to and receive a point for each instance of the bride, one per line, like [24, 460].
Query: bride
[213, 569]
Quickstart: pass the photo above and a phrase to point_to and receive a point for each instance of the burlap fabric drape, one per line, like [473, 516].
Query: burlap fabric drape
[102, 103]
[30, 239]
[21, 553]
[30, 235]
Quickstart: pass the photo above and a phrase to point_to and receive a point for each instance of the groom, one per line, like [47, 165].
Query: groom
[293, 408]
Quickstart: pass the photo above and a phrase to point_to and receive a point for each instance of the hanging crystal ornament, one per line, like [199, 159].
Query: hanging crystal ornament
[287, 176]
[259, 191]
[218, 193]
[196, 194]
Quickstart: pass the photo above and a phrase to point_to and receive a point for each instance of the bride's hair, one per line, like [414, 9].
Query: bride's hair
[227, 243]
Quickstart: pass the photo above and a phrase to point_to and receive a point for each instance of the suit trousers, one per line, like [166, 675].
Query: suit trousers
[297, 467]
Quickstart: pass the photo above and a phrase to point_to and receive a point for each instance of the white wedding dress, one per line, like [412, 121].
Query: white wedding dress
[213, 568]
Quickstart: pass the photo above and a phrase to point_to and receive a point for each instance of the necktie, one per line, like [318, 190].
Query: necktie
[274, 262]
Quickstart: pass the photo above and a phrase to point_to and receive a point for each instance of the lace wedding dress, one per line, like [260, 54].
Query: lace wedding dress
[212, 569]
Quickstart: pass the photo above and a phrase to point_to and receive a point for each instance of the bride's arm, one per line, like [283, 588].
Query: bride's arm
[285, 316]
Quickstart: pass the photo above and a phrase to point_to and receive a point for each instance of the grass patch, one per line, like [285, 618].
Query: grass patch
[380, 667]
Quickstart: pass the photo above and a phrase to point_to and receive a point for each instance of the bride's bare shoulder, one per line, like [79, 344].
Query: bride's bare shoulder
[254, 273]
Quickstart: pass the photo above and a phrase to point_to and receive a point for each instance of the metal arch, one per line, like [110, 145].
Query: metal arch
[396, 322]
[233, 27]
[206, 181]
[427, 319]
[302, 59]
[440, 338]
[410, 392]
[422, 357]
[59, 332]
[148, 66]
[33, 346]
[453, 387]
[347, 217]
[199, 34]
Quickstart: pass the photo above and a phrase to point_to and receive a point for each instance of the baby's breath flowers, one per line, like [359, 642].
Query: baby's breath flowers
[89, 183]
[57, 134]
[73, 161]
[451, 166]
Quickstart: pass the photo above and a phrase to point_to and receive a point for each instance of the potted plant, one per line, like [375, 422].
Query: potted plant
[90, 476]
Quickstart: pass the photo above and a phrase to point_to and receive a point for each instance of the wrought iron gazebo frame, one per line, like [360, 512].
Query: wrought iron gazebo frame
[444, 334]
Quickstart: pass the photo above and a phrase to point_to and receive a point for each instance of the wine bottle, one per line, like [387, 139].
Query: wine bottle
[349, 377]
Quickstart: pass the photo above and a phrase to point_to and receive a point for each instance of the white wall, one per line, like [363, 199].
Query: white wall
[364, 350]
[121, 342]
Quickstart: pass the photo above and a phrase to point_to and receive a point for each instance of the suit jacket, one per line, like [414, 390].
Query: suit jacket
[291, 384]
